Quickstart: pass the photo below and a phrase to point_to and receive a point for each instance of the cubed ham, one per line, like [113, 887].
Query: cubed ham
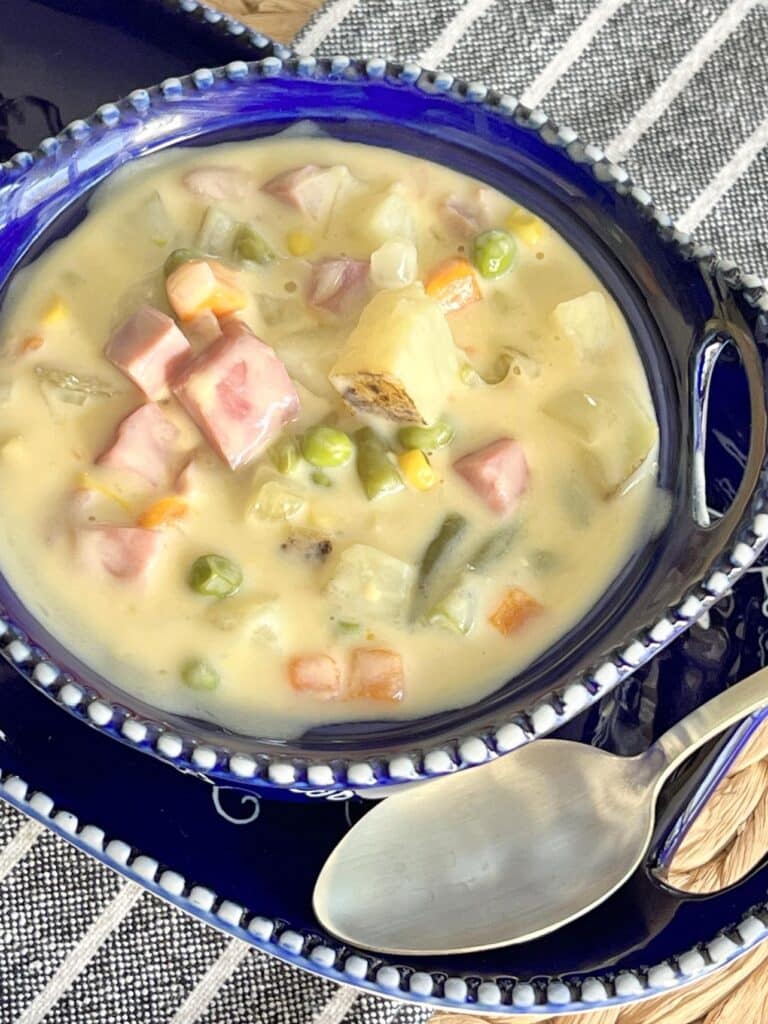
[219, 183]
[126, 552]
[376, 673]
[317, 675]
[498, 473]
[339, 285]
[311, 189]
[200, 285]
[144, 445]
[149, 348]
[238, 393]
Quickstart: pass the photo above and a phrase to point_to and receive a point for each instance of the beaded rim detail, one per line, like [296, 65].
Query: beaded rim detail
[321, 955]
[339, 777]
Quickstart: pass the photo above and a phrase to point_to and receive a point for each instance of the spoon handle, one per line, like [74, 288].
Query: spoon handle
[705, 722]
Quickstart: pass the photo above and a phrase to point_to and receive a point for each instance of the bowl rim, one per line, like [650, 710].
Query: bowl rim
[334, 774]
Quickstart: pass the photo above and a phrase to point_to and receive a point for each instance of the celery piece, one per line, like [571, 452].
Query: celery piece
[216, 233]
[72, 387]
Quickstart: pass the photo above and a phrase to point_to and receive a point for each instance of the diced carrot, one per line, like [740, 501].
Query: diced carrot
[453, 284]
[200, 285]
[377, 673]
[517, 607]
[315, 674]
[31, 344]
[162, 512]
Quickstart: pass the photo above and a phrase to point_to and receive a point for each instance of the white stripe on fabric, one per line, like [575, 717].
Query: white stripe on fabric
[205, 991]
[433, 56]
[676, 81]
[19, 846]
[332, 16]
[727, 176]
[337, 1007]
[570, 51]
[80, 956]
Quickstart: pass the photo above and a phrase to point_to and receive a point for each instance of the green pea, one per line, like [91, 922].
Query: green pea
[427, 439]
[326, 447]
[199, 675]
[377, 474]
[215, 576]
[285, 455]
[320, 478]
[179, 256]
[249, 245]
[493, 252]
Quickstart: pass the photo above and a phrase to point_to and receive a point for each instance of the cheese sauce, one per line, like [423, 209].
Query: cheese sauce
[505, 337]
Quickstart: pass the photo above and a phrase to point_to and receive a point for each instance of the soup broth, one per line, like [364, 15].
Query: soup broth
[298, 431]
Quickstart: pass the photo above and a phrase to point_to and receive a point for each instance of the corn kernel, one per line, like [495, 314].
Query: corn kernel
[56, 313]
[416, 468]
[529, 229]
[299, 242]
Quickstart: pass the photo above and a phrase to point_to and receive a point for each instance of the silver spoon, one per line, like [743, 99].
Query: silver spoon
[510, 850]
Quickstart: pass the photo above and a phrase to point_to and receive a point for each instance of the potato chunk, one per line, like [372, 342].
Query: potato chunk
[370, 584]
[399, 361]
[616, 430]
[586, 323]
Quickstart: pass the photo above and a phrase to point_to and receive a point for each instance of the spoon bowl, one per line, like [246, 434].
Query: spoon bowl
[511, 850]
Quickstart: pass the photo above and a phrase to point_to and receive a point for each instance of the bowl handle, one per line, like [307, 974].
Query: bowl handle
[726, 327]
[686, 800]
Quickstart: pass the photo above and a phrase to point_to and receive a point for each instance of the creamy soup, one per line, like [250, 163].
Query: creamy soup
[298, 431]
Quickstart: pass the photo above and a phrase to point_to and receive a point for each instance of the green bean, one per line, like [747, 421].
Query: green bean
[493, 548]
[250, 245]
[457, 609]
[436, 554]
[326, 447]
[493, 252]
[427, 439]
[543, 560]
[215, 576]
[199, 675]
[285, 455]
[179, 256]
[377, 474]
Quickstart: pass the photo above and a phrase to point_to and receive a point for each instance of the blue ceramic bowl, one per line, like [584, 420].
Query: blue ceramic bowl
[694, 320]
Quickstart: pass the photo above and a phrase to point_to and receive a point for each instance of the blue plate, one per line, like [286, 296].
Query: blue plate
[249, 866]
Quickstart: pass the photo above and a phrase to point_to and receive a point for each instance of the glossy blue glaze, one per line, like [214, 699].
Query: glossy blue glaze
[680, 309]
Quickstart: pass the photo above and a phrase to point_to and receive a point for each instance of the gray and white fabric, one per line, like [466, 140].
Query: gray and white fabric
[675, 89]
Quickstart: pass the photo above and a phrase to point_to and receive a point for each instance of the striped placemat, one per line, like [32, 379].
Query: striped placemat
[678, 91]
